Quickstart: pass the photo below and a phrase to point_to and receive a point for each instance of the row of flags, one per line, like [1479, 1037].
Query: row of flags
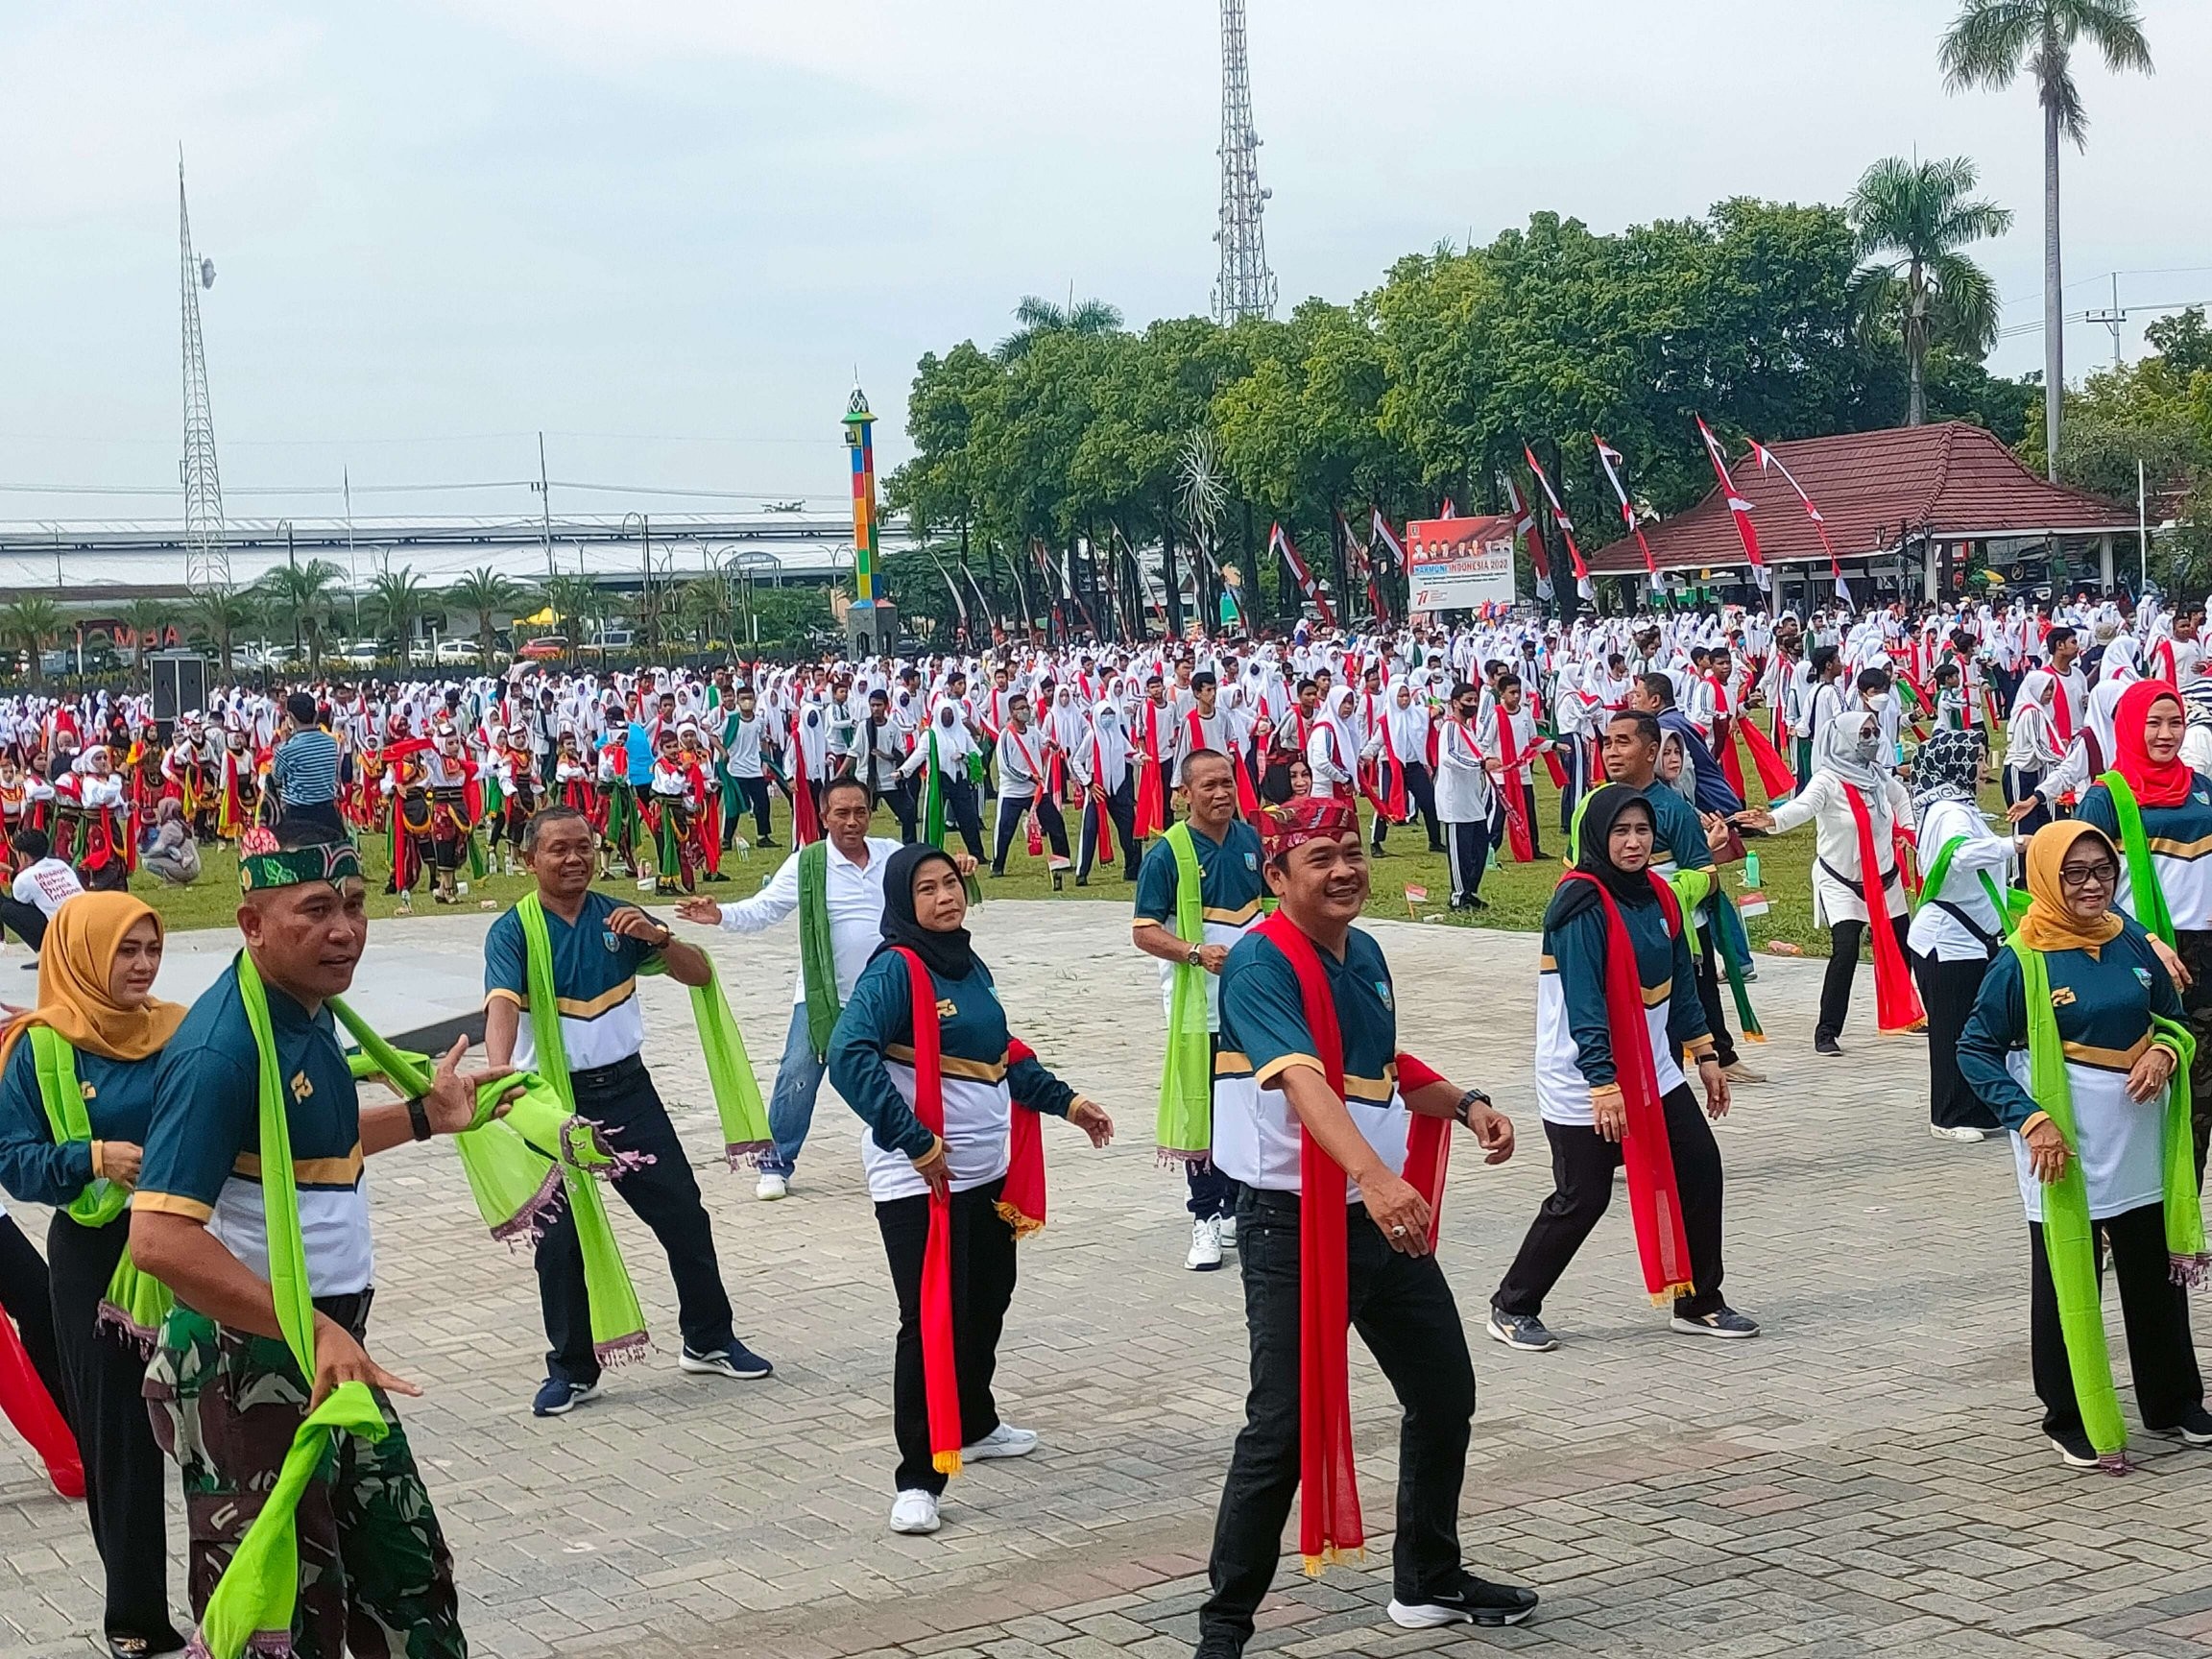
[1385, 551]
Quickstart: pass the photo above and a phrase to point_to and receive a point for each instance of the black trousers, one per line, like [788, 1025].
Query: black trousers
[2160, 1353]
[1404, 1311]
[2019, 782]
[1499, 833]
[27, 922]
[664, 1196]
[1420, 803]
[753, 793]
[125, 1475]
[1467, 856]
[1582, 1165]
[1844, 941]
[900, 798]
[1011, 808]
[1947, 992]
[1708, 977]
[1210, 1191]
[322, 815]
[982, 1287]
[1122, 813]
[965, 812]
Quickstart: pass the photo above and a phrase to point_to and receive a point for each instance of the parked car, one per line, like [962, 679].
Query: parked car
[459, 652]
[546, 648]
[362, 654]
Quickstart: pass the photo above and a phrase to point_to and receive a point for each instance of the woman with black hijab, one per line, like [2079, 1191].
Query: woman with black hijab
[921, 1053]
[1616, 1006]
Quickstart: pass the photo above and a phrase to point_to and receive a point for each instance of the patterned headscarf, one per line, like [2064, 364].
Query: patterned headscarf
[262, 864]
[1947, 768]
[1285, 828]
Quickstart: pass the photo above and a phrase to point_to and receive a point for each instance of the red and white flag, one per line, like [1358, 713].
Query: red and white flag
[1525, 525]
[1565, 523]
[1609, 458]
[1278, 539]
[1738, 506]
[1768, 459]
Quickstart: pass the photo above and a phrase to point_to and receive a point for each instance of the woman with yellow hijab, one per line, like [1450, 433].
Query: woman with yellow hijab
[76, 1094]
[2076, 1044]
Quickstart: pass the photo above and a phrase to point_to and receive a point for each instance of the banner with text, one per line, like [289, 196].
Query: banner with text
[1460, 563]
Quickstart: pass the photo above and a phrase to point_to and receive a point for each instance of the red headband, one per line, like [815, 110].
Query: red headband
[1285, 828]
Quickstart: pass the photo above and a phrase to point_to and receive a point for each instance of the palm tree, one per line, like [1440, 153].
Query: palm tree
[488, 593]
[222, 613]
[144, 616]
[28, 624]
[1911, 217]
[396, 600]
[299, 598]
[572, 598]
[1991, 42]
[703, 604]
[1038, 316]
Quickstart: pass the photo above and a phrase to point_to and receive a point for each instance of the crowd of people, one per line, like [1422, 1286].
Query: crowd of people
[205, 1294]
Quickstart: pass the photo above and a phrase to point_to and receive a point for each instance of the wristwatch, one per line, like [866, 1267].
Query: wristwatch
[419, 1118]
[1195, 955]
[1465, 1108]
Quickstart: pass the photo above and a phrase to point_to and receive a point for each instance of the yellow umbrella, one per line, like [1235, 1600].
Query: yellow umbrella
[544, 619]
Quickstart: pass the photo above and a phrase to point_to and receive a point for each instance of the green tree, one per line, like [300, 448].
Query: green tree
[1912, 218]
[1988, 45]
[1039, 316]
[703, 607]
[142, 618]
[2182, 341]
[396, 601]
[27, 624]
[299, 597]
[572, 599]
[220, 614]
[489, 595]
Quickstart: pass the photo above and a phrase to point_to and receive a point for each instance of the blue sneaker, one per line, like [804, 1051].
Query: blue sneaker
[735, 1361]
[556, 1398]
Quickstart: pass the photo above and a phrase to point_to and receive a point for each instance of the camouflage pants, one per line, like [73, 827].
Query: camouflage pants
[376, 1578]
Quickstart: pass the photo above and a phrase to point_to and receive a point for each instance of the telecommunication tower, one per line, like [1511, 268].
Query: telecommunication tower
[207, 557]
[1245, 287]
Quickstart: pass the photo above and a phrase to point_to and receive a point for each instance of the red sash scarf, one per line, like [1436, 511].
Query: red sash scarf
[1021, 1204]
[805, 827]
[1517, 834]
[1152, 801]
[1392, 806]
[1329, 1524]
[1247, 797]
[1775, 774]
[1098, 803]
[26, 1404]
[1896, 1003]
[1654, 1205]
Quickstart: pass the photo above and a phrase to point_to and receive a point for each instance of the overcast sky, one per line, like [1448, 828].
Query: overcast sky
[667, 234]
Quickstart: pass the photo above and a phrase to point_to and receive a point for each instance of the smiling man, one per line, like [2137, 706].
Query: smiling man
[227, 1387]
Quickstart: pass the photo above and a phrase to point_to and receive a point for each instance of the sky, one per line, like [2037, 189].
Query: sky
[668, 233]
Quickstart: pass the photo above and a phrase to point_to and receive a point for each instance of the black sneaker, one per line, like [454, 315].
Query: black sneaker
[1523, 1330]
[735, 1361]
[764, 841]
[1723, 1321]
[1473, 1602]
[2073, 1451]
[556, 1398]
[1827, 1046]
[2195, 1427]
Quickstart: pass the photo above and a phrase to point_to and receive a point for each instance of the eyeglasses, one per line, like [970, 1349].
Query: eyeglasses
[2094, 876]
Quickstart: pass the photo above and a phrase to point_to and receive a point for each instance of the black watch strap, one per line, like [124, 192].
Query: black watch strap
[419, 1118]
[1465, 1108]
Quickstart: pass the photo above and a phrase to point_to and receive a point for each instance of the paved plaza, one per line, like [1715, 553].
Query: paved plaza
[1865, 1477]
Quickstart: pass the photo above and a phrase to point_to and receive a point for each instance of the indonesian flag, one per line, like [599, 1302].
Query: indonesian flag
[1525, 525]
[1279, 540]
[1738, 506]
[1609, 458]
[1378, 531]
[1566, 526]
[1768, 459]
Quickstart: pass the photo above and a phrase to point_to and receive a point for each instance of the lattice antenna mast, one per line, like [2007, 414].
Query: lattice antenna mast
[207, 556]
[1246, 287]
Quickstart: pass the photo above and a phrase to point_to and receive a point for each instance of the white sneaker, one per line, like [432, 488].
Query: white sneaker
[772, 1187]
[1003, 1441]
[915, 1511]
[1228, 1229]
[1961, 1135]
[1205, 1246]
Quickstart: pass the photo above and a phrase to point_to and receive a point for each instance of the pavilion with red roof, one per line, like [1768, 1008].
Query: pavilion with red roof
[1901, 508]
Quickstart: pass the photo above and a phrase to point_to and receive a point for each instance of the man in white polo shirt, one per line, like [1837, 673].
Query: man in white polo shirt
[836, 888]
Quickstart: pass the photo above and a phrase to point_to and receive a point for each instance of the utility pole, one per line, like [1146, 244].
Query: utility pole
[353, 565]
[2115, 320]
[545, 509]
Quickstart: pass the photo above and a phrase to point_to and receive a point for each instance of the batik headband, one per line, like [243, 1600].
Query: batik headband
[1285, 828]
[262, 864]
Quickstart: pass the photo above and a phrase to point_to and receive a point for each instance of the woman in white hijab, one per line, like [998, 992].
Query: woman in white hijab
[2032, 745]
[1100, 765]
[1404, 728]
[1332, 750]
[1847, 777]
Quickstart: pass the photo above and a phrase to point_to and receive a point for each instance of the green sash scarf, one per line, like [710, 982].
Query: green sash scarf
[136, 1303]
[817, 961]
[934, 794]
[2068, 1232]
[2011, 902]
[2143, 886]
[1186, 1121]
[254, 1600]
[738, 1104]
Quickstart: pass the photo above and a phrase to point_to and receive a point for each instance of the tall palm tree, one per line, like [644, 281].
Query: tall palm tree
[702, 605]
[1988, 43]
[1912, 219]
[1039, 316]
[488, 593]
[299, 597]
[28, 624]
[572, 598]
[397, 599]
[222, 613]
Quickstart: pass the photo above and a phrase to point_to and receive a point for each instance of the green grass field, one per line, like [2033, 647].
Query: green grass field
[1515, 895]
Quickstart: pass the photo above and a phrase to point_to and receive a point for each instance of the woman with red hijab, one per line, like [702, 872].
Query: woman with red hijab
[2160, 814]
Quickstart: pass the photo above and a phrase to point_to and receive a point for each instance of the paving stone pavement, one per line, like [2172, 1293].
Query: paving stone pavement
[1864, 1479]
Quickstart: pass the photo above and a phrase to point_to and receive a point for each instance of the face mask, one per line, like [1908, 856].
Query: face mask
[1863, 747]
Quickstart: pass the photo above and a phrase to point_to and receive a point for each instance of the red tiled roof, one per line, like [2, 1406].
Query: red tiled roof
[1950, 481]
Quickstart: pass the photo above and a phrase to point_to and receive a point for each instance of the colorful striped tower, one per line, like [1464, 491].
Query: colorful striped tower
[859, 437]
